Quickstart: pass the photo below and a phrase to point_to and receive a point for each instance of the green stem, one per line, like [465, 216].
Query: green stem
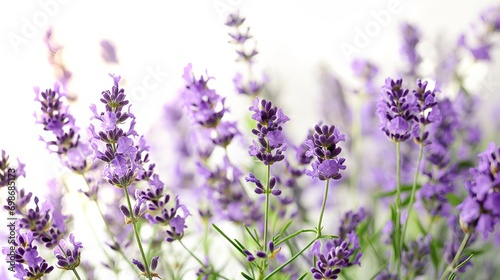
[291, 260]
[451, 267]
[323, 206]
[413, 191]
[138, 239]
[397, 226]
[293, 235]
[108, 230]
[266, 213]
[266, 220]
[192, 255]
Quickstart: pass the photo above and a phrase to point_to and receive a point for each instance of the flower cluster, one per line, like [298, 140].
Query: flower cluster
[159, 210]
[47, 226]
[428, 112]
[340, 252]
[397, 110]
[112, 144]
[324, 147]
[68, 258]
[336, 255]
[441, 173]
[206, 108]
[7, 173]
[241, 37]
[56, 118]
[269, 132]
[29, 264]
[226, 195]
[480, 210]
[416, 256]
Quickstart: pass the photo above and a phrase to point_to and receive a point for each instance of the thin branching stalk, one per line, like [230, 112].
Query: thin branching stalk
[136, 231]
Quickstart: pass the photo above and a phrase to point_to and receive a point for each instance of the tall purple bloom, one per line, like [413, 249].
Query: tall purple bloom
[66, 142]
[427, 110]
[397, 110]
[112, 144]
[271, 142]
[246, 50]
[204, 105]
[480, 210]
[324, 147]
[206, 108]
[126, 156]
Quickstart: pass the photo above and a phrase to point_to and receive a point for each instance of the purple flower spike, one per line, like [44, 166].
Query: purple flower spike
[480, 211]
[55, 117]
[204, 105]
[428, 112]
[68, 258]
[323, 146]
[397, 111]
[271, 142]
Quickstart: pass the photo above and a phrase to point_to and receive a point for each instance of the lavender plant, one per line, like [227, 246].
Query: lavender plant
[428, 212]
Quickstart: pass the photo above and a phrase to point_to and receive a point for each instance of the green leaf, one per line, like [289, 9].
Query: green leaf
[464, 262]
[453, 199]
[254, 238]
[420, 226]
[435, 257]
[303, 276]
[282, 231]
[246, 276]
[395, 245]
[228, 239]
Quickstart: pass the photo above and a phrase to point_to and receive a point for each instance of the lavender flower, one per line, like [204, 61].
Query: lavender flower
[366, 71]
[246, 51]
[204, 105]
[7, 172]
[324, 147]
[269, 132]
[56, 118]
[68, 258]
[334, 256]
[29, 265]
[350, 222]
[112, 144]
[46, 227]
[396, 110]
[159, 210]
[416, 256]
[428, 111]
[480, 210]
